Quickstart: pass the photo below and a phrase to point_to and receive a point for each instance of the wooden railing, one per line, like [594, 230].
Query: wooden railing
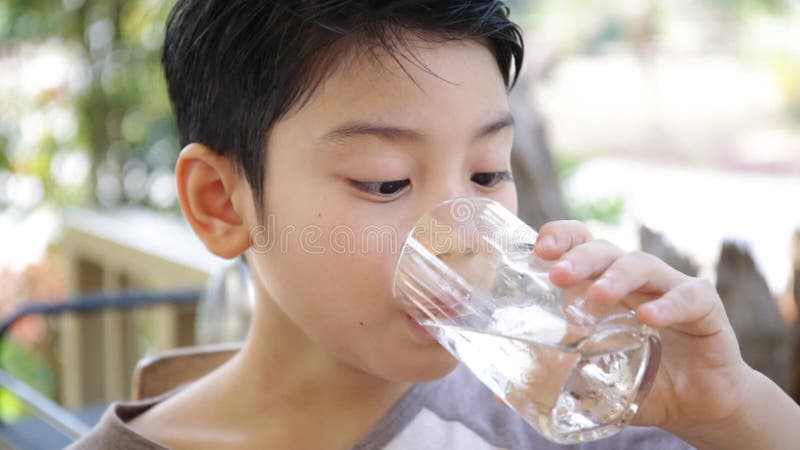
[111, 252]
[48, 416]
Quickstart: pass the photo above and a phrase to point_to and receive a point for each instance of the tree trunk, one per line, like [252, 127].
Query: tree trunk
[538, 189]
[764, 340]
[796, 295]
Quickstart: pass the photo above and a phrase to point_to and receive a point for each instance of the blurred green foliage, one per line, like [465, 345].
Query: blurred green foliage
[96, 132]
[788, 72]
[605, 209]
[743, 8]
[124, 129]
[29, 365]
[120, 105]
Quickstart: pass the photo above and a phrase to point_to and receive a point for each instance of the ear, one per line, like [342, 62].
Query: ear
[213, 196]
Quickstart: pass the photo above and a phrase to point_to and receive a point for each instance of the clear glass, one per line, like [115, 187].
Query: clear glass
[576, 371]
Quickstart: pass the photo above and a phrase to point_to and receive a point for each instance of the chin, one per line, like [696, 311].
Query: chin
[436, 363]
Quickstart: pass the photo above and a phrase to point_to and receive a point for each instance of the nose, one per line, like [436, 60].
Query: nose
[449, 187]
[456, 184]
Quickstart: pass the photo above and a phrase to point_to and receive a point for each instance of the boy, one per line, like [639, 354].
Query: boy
[335, 116]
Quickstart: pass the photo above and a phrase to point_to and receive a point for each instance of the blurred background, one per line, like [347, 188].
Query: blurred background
[671, 126]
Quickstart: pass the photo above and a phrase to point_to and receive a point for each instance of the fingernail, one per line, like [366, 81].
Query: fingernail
[605, 284]
[651, 309]
[547, 242]
[564, 265]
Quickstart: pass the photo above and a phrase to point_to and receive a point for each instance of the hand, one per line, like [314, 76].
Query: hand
[702, 380]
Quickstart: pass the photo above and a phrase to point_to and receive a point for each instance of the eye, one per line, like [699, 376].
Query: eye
[382, 188]
[490, 179]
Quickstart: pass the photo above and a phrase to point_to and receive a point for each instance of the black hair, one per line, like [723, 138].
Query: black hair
[236, 67]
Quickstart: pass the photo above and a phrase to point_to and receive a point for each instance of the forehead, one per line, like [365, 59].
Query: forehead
[458, 85]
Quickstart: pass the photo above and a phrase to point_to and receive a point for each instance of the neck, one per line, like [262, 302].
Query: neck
[286, 370]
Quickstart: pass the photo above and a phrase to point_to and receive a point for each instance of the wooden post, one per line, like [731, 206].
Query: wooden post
[764, 339]
[655, 244]
[796, 268]
[795, 292]
[114, 340]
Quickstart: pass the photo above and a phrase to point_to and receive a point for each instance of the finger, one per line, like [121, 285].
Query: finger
[583, 262]
[557, 237]
[635, 271]
[693, 307]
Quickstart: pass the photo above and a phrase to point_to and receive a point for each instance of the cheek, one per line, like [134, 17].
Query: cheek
[367, 267]
[328, 261]
[346, 287]
[331, 276]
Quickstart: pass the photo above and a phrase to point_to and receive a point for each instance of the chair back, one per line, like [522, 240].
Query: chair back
[157, 374]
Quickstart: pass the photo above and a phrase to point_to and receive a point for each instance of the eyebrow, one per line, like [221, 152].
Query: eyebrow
[356, 129]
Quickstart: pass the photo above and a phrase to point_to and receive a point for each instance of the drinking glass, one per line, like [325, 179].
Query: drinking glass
[573, 369]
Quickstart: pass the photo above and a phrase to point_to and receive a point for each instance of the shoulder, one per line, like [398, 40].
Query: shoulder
[175, 419]
[184, 418]
[114, 431]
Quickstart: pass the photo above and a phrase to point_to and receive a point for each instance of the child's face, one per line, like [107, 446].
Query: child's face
[324, 270]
